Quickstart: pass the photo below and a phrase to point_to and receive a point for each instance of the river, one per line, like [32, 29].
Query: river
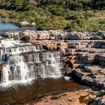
[7, 26]
[19, 94]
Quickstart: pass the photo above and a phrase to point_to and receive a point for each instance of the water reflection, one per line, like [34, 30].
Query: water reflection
[20, 94]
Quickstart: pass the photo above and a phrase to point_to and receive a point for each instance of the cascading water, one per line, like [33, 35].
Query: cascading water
[52, 65]
[15, 71]
[19, 68]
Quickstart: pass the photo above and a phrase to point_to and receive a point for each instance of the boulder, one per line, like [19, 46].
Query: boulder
[96, 37]
[99, 59]
[31, 34]
[57, 34]
[23, 23]
[43, 35]
[91, 75]
[77, 36]
[72, 36]
[86, 58]
[101, 33]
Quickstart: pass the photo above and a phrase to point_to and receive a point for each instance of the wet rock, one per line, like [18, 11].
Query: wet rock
[68, 66]
[26, 38]
[45, 47]
[99, 101]
[1, 66]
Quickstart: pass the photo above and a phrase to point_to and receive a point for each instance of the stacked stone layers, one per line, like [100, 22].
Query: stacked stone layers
[82, 52]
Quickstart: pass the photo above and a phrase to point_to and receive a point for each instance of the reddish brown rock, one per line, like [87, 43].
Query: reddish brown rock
[80, 97]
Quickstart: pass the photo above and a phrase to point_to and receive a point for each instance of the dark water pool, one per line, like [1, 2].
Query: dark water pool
[18, 95]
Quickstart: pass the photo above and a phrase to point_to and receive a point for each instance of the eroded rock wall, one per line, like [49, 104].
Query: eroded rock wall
[82, 52]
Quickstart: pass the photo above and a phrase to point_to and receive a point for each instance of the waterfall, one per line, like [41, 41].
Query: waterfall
[52, 65]
[15, 71]
[47, 64]
[24, 62]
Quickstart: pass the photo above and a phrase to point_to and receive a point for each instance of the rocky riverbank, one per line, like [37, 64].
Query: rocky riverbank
[58, 35]
[80, 97]
[83, 53]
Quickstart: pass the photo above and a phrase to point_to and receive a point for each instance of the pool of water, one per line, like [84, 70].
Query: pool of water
[18, 95]
[7, 26]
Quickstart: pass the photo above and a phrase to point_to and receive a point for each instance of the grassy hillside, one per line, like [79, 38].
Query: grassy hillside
[70, 15]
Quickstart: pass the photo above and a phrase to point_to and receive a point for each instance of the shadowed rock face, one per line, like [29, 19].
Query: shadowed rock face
[99, 101]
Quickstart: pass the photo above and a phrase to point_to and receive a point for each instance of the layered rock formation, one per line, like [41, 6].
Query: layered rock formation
[21, 62]
[58, 35]
[81, 97]
[81, 53]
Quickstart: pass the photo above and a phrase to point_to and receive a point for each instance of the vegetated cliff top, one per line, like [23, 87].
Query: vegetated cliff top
[82, 15]
[71, 4]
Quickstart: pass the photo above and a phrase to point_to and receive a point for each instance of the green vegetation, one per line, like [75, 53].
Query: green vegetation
[71, 15]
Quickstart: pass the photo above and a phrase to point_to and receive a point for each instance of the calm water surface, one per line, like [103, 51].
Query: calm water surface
[6, 26]
[17, 95]
[9, 27]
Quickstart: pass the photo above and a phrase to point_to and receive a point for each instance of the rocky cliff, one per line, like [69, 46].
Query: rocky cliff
[82, 53]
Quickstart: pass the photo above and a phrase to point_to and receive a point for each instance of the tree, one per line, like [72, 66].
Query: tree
[100, 4]
[20, 4]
